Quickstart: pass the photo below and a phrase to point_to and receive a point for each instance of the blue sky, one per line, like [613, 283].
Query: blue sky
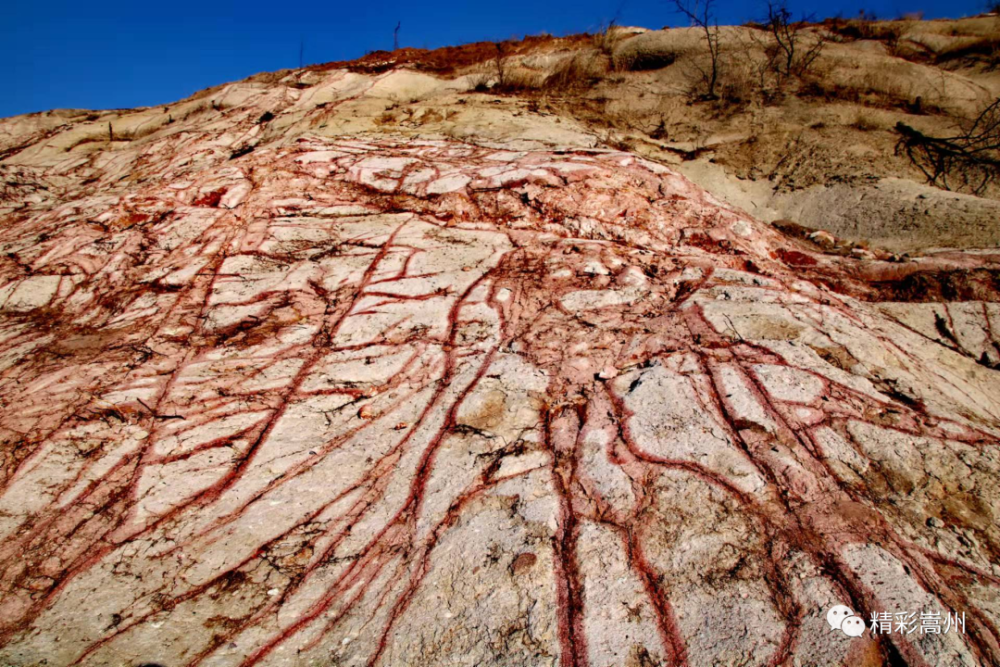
[103, 54]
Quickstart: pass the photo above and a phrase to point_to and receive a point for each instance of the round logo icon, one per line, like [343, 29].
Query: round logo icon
[840, 617]
[835, 617]
[853, 626]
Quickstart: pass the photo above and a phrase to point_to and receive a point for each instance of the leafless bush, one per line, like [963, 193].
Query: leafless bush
[968, 161]
[794, 49]
[500, 63]
[750, 73]
[742, 81]
[701, 15]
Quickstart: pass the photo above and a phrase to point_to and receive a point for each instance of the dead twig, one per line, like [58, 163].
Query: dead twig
[967, 161]
[153, 413]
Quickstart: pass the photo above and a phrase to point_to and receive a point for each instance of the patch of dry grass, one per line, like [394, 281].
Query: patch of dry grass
[518, 79]
[867, 120]
[578, 72]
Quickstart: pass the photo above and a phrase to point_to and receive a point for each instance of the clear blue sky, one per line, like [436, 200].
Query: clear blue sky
[103, 54]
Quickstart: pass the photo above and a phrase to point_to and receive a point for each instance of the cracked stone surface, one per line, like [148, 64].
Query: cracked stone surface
[388, 401]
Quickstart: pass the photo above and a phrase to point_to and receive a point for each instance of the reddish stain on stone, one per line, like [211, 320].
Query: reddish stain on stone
[210, 199]
[795, 258]
[523, 562]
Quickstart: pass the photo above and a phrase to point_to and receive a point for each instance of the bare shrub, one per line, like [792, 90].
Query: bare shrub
[741, 81]
[500, 64]
[701, 15]
[751, 73]
[794, 49]
[968, 161]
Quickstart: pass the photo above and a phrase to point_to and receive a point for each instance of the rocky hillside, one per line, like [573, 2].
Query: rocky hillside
[395, 363]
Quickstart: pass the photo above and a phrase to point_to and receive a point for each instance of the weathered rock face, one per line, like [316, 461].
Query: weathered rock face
[426, 403]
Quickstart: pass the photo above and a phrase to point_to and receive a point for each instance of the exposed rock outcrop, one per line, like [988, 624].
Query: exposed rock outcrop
[378, 400]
